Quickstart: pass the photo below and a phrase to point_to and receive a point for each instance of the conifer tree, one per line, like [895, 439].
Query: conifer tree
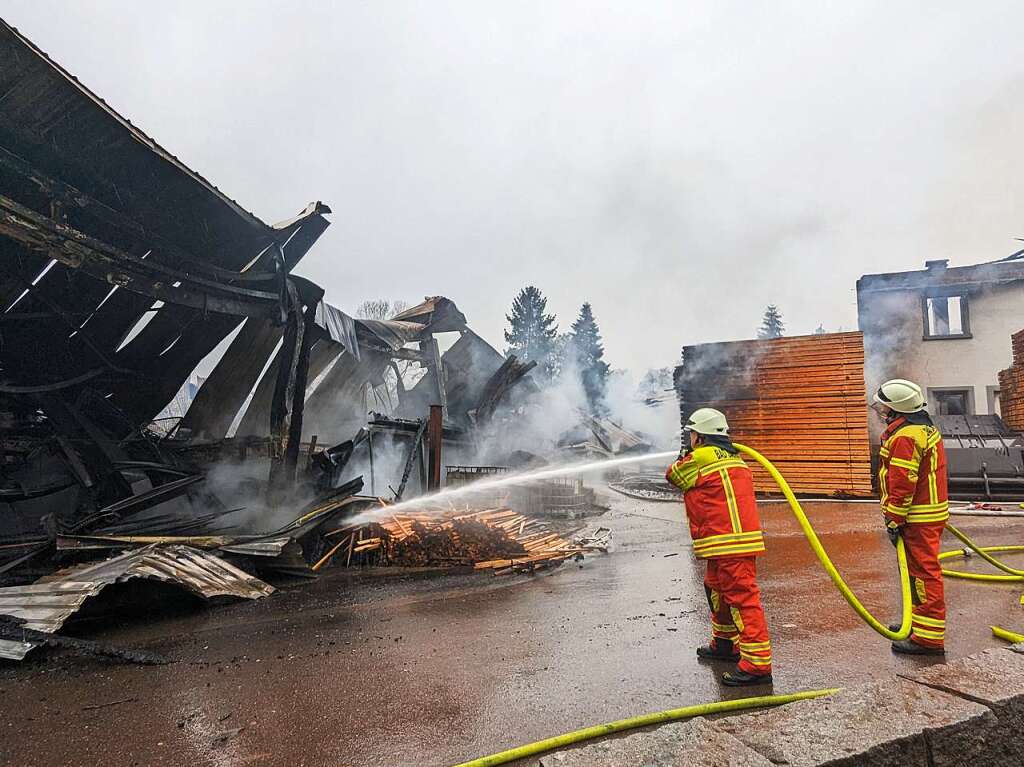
[771, 325]
[587, 350]
[532, 331]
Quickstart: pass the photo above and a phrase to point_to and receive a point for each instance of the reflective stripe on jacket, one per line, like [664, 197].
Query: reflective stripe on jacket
[718, 489]
[912, 474]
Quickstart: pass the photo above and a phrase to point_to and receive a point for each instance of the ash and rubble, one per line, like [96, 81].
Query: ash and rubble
[122, 271]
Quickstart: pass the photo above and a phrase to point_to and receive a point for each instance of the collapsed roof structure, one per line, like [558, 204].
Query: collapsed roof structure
[121, 270]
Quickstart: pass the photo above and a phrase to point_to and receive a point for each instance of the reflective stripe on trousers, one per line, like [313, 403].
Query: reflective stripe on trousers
[736, 612]
[929, 609]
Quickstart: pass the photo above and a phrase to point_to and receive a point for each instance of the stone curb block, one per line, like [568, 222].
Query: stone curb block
[694, 743]
[885, 724]
[969, 711]
[993, 678]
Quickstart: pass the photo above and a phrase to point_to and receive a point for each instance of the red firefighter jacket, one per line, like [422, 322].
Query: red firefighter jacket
[718, 489]
[912, 474]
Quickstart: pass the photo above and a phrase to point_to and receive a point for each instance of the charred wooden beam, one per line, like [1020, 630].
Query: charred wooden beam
[91, 453]
[50, 386]
[299, 392]
[105, 262]
[72, 197]
[403, 354]
[435, 438]
[437, 368]
[290, 390]
[147, 500]
[414, 450]
[504, 379]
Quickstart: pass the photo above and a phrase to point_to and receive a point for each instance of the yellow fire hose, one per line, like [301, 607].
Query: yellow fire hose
[837, 579]
[983, 552]
[676, 714]
[1012, 575]
[645, 720]
[1009, 636]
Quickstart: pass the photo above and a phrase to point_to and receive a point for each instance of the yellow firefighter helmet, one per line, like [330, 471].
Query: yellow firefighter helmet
[707, 420]
[900, 395]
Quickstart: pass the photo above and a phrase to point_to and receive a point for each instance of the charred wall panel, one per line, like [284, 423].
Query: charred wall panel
[337, 409]
[800, 401]
[222, 394]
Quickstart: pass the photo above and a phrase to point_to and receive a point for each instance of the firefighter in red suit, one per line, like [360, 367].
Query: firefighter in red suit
[718, 490]
[912, 483]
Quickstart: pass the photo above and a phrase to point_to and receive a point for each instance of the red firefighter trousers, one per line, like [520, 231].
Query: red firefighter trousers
[929, 608]
[736, 612]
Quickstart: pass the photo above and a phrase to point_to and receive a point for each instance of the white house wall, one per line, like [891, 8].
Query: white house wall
[893, 324]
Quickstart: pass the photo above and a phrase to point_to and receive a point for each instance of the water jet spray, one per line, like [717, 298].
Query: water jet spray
[506, 481]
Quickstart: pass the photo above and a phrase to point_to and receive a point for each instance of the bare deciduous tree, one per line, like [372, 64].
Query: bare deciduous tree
[407, 371]
[380, 309]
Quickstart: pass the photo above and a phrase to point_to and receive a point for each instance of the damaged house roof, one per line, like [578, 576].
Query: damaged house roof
[938, 274]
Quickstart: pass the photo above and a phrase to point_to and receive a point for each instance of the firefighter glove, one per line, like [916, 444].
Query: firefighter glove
[893, 530]
[684, 444]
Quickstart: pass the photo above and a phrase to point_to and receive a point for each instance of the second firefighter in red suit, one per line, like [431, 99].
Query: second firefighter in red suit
[912, 482]
[718, 490]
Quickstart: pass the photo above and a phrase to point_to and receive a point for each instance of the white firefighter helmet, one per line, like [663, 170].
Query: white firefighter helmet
[900, 395]
[707, 420]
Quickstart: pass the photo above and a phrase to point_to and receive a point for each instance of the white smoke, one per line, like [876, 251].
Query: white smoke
[659, 423]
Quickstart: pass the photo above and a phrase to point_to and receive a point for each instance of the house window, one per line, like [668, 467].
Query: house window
[946, 317]
[994, 407]
[951, 401]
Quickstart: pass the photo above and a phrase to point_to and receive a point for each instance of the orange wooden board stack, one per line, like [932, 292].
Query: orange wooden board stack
[800, 401]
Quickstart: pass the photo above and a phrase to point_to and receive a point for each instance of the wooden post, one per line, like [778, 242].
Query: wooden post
[437, 366]
[421, 465]
[414, 450]
[435, 435]
[290, 392]
[312, 450]
[369, 449]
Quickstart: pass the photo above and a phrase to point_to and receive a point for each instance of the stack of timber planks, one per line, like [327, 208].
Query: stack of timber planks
[1011, 386]
[500, 540]
[800, 401]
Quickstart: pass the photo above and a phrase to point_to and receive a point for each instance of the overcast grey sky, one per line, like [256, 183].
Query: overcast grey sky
[678, 164]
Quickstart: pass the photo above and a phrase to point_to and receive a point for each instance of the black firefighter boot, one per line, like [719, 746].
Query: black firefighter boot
[740, 678]
[719, 649]
[910, 647]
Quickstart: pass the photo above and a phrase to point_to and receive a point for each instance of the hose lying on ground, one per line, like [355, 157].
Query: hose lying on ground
[672, 715]
[645, 720]
[1012, 575]
[1009, 636]
[837, 579]
[983, 552]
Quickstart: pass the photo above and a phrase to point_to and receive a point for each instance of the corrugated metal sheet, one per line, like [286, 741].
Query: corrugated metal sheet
[46, 604]
[800, 401]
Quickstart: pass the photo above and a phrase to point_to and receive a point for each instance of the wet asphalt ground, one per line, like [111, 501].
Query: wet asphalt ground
[423, 668]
